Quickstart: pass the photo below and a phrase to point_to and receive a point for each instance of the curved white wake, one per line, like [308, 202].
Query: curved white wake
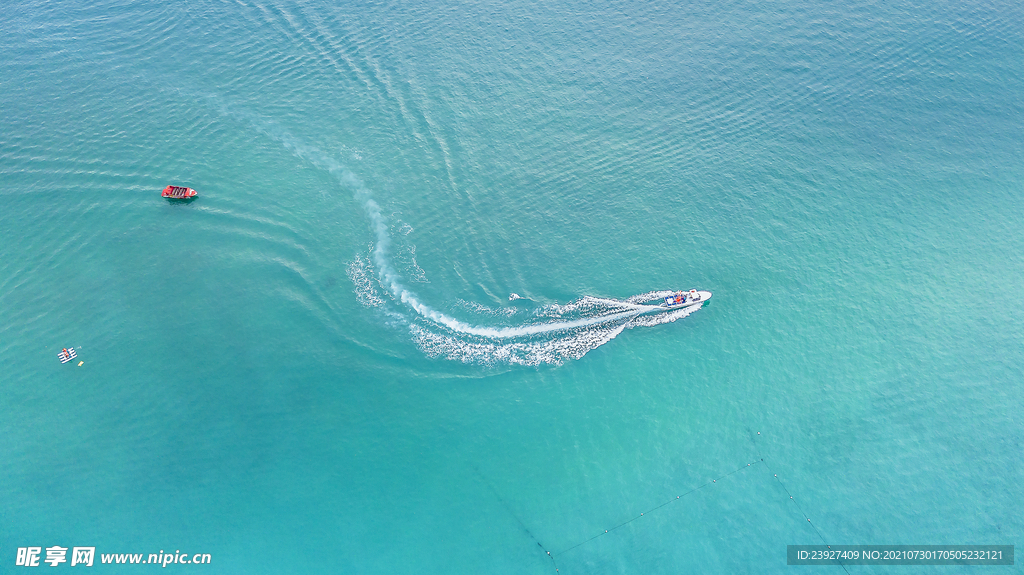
[551, 334]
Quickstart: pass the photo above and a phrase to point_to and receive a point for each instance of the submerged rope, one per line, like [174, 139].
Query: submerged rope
[714, 481]
[798, 507]
[514, 516]
[677, 498]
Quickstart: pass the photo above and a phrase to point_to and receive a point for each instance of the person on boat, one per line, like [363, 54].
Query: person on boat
[65, 351]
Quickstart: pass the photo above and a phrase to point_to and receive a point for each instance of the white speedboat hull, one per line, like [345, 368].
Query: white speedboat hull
[701, 297]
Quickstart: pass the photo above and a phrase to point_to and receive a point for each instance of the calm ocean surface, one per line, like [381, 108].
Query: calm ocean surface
[398, 330]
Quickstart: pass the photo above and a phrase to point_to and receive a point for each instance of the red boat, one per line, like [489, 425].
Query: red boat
[179, 192]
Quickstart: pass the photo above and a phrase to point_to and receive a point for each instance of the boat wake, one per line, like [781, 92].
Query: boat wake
[530, 336]
[550, 334]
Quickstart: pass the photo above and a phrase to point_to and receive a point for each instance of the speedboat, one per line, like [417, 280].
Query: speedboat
[686, 298]
[179, 193]
[67, 354]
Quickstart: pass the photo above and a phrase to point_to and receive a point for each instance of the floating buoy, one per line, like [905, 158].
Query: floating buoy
[759, 433]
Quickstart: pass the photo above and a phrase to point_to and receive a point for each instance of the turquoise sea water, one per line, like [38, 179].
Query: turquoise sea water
[319, 366]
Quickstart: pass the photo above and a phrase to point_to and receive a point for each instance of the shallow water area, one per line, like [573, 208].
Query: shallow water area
[408, 325]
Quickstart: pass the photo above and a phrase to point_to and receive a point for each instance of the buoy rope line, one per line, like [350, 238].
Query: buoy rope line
[798, 508]
[516, 517]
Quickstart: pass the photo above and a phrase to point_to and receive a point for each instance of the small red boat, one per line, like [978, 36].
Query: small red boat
[179, 192]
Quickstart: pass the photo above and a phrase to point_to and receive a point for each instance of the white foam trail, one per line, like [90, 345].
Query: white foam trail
[366, 293]
[603, 320]
[378, 223]
[670, 316]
